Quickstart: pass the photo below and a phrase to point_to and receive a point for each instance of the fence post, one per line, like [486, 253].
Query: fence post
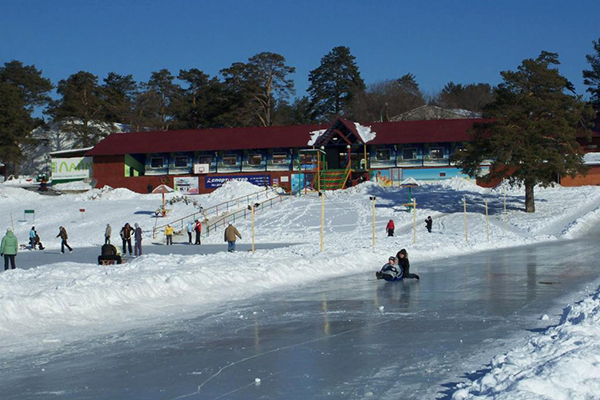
[487, 222]
[465, 208]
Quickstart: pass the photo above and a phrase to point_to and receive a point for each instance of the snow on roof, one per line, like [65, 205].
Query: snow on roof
[314, 135]
[410, 182]
[365, 132]
[71, 151]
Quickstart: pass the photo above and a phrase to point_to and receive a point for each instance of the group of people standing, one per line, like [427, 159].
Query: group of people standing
[390, 227]
[127, 233]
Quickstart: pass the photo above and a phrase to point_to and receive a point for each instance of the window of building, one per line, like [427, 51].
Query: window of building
[308, 158]
[436, 153]
[383, 154]
[157, 162]
[180, 161]
[280, 158]
[229, 159]
[254, 159]
[205, 160]
[409, 153]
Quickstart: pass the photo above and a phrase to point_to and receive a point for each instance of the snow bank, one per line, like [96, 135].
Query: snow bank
[561, 363]
[234, 189]
[78, 185]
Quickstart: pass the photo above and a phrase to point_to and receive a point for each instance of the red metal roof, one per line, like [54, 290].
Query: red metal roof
[454, 130]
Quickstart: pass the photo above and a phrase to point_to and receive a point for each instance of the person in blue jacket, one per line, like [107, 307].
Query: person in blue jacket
[390, 271]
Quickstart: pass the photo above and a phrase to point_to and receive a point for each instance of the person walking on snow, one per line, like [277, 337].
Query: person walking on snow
[231, 235]
[190, 231]
[32, 237]
[137, 235]
[428, 223]
[198, 230]
[169, 235]
[403, 263]
[62, 234]
[8, 249]
[126, 233]
[389, 228]
[107, 234]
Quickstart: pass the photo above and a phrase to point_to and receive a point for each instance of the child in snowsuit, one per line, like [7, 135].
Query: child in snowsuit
[390, 271]
[428, 223]
[390, 228]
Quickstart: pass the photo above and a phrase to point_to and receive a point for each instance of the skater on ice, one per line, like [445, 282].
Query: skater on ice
[126, 232]
[62, 234]
[428, 223]
[9, 247]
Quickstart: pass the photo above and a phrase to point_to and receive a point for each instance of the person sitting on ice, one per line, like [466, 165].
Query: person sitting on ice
[390, 271]
[404, 264]
[109, 255]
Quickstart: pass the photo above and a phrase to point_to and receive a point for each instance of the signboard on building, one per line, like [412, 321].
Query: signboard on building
[215, 182]
[71, 169]
[187, 184]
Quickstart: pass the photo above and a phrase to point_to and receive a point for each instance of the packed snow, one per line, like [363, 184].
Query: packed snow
[66, 300]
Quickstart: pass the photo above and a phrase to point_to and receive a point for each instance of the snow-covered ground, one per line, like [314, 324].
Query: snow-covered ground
[66, 300]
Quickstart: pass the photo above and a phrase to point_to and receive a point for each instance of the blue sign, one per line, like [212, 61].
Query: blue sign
[215, 182]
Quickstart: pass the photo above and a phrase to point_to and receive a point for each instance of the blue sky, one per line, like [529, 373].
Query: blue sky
[438, 41]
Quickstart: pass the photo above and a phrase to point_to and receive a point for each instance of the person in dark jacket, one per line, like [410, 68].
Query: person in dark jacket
[62, 233]
[403, 263]
[126, 233]
[37, 241]
[9, 248]
[108, 254]
[389, 228]
[428, 223]
[137, 235]
[198, 230]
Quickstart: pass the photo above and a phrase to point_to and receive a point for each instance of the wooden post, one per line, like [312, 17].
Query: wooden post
[465, 208]
[319, 172]
[504, 231]
[252, 228]
[322, 219]
[373, 213]
[414, 221]
[487, 221]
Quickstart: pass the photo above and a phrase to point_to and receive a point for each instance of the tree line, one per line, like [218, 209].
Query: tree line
[258, 92]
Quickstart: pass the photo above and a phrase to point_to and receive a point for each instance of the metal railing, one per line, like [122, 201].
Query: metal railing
[206, 213]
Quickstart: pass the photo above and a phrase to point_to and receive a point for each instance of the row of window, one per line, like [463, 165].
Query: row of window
[226, 159]
[382, 154]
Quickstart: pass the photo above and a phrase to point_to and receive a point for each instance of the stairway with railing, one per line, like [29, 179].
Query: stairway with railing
[209, 215]
[334, 179]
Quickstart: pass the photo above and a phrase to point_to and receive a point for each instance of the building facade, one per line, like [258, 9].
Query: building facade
[199, 161]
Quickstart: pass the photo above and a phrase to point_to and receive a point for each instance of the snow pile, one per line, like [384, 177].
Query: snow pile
[365, 132]
[108, 193]
[234, 189]
[17, 194]
[562, 363]
[77, 185]
[461, 184]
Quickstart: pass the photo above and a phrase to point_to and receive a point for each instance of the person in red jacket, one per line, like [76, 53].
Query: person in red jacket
[198, 230]
[389, 228]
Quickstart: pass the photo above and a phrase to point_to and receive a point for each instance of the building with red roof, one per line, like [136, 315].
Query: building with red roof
[199, 161]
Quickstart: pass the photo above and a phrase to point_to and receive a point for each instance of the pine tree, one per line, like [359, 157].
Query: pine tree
[473, 97]
[334, 84]
[81, 109]
[591, 77]
[169, 95]
[33, 88]
[531, 137]
[386, 99]
[15, 124]
[120, 92]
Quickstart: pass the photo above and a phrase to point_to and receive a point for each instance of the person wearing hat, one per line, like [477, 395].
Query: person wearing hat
[10, 244]
[390, 271]
[137, 236]
[62, 233]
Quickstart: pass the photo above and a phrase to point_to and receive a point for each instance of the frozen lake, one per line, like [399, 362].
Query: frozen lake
[330, 340]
